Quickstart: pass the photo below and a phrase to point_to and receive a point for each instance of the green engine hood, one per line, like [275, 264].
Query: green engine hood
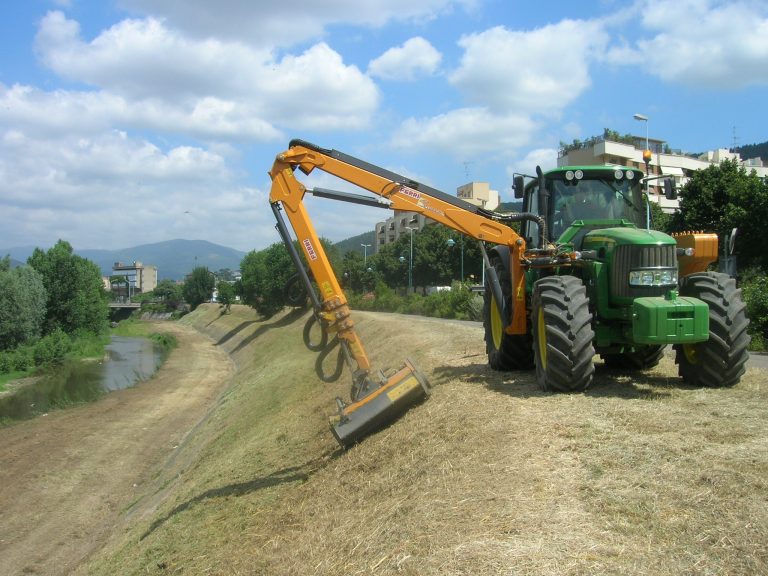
[610, 237]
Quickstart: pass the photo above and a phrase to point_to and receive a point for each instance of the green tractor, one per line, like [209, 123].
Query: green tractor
[628, 292]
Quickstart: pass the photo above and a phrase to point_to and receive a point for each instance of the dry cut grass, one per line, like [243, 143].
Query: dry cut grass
[641, 475]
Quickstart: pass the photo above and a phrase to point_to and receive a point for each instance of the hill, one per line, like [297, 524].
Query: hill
[489, 476]
[174, 259]
[354, 243]
[754, 151]
[516, 206]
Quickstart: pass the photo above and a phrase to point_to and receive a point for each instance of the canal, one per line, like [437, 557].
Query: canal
[127, 360]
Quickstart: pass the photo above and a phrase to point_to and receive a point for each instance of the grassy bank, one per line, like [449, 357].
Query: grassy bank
[640, 475]
[139, 329]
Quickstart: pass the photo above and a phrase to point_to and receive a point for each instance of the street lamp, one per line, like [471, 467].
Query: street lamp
[451, 243]
[647, 151]
[365, 252]
[410, 261]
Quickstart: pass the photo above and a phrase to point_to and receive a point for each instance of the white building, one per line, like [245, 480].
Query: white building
[666, 162]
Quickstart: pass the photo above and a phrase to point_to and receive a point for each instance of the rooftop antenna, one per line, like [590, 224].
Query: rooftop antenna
[466, 168]
[735, 140]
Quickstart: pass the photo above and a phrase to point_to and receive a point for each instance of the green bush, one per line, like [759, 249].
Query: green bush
[458, 303]
[6, 362]
[23, 359]
[53, 348]
[755, 293]
[166, 341]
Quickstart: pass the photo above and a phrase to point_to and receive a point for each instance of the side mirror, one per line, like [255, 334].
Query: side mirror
[670, 192]
[518, 183]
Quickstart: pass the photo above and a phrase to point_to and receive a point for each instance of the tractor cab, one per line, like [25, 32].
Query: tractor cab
[576, 200]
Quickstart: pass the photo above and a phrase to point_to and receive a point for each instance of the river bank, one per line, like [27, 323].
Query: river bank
[67, 476]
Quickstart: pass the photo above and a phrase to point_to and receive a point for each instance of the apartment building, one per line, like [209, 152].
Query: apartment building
[141, 277]
[602, 150]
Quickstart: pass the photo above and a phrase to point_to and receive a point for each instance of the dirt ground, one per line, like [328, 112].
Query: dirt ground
[66, 477]
[70, 481]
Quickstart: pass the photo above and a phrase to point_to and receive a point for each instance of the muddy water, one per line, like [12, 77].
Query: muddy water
[127, 361]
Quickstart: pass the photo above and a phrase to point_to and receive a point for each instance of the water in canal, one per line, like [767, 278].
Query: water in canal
[127, 361]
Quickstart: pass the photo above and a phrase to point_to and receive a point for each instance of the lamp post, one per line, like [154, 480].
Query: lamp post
[451, 243]
[365, 252]
[410, 261]
[647, 151]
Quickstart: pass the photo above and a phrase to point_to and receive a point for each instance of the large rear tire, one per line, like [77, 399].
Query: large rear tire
[641, 358]
[721, 360]
[505, 351]
[562, 334]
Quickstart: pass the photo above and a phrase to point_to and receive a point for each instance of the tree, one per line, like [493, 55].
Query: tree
[76, 300]
[115, 282]
[169, 292]
[225, 274]
[660, 220]
[226, 294]
[724, 197]
[198, 287]
[22, 306]
[265, 275]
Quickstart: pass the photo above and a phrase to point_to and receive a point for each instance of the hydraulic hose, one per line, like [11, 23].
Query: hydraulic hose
[519, 217]
[308, 336]
[336, 374]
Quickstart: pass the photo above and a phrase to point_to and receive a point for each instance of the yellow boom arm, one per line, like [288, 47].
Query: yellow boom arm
[399, 193]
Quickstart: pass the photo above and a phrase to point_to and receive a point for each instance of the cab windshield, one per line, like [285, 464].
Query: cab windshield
[595, 197]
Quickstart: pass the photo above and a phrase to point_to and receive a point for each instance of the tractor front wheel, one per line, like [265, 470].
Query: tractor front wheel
[562, 334]
[505, 351]
[720, 361]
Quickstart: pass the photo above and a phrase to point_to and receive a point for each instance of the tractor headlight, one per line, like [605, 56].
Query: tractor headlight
[654, 277]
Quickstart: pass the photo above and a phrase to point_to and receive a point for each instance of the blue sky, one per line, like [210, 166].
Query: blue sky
[125, 122]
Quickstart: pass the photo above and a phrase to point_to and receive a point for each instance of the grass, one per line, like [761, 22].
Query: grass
[132, 328]
[640, 475]
[7, 377]
[137, 329]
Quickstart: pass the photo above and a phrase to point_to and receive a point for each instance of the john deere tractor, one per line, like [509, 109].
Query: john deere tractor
[584, 275]
[625, 294]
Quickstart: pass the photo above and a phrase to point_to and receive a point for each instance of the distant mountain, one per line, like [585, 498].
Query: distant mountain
[754, 151]
[355, 243]
[516, 206]
[174, 259]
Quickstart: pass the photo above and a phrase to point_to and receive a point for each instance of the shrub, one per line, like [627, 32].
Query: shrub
[52, 348]
[6, 362]
[23, 359]
[755, 292]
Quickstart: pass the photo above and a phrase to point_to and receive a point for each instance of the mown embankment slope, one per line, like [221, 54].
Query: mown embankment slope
[490, 476]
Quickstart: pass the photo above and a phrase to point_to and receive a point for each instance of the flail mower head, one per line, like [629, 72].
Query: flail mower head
[378, 404]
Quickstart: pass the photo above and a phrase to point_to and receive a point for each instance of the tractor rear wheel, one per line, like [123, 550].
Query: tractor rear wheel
[642, 358]
[505, 351]
[720, 361]
[562, 334]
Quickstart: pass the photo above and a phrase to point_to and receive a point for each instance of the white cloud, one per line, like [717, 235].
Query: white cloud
[208, 88]
[415, 57]
[465, 132]
[68, 112]
[112, 190]
[270, 23]
[702, 43]
[511, 78]
[546, 158]
[539, 71]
